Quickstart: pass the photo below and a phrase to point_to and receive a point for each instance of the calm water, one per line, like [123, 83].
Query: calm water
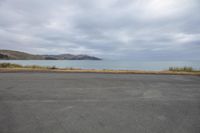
[108, 64]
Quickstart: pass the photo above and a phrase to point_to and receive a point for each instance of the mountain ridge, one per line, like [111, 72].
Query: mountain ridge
[18, 55]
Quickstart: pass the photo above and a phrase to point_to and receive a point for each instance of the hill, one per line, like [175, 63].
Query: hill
[17, 55]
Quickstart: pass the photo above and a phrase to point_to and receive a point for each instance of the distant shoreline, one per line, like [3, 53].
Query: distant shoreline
[9, 67]
[18, 55]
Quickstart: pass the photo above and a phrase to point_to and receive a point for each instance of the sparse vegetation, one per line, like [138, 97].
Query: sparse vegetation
[183, 69]
[35, 67]
[52, 67]
[10, 67]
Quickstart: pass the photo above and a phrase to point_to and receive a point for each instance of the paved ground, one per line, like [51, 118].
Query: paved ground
[98, 103]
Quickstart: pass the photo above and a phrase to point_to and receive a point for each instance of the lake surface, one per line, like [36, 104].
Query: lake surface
[109, 64]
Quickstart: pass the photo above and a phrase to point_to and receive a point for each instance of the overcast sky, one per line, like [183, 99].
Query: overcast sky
[135, 29]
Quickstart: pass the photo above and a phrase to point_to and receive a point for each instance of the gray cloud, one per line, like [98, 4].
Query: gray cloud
[159, 29]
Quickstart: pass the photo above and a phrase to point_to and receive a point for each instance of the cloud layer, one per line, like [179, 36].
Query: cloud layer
[135, 29]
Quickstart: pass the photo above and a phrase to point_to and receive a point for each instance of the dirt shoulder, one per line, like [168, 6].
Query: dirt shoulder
[8, 70]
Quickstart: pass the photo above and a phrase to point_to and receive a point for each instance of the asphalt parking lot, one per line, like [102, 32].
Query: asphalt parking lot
[99, 103]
